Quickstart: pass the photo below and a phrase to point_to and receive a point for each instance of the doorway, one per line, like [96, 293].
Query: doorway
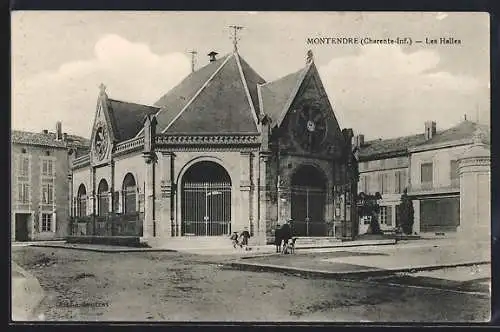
[22, 233]
[308, 202]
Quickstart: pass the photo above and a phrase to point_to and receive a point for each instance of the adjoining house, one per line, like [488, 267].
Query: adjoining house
[427, 166]
[40, 166]
[221, 151]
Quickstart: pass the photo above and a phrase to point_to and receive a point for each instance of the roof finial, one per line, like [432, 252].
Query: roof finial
[102, 88]
[193, 59]
[309, 57]
[234, 35]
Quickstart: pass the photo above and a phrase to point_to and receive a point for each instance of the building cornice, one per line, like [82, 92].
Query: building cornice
[441, 145]
[81, 162]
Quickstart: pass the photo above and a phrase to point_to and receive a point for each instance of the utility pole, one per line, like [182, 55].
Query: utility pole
[193, 59]
[234, 35]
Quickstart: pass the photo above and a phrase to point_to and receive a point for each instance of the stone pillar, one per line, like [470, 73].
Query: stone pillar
[416, 216]
[149, 223]
[167, 228]
[475, 201]
[245, 193]
[265, 226]
[148, 230]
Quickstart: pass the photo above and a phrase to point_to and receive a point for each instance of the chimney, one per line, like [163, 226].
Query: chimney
[359, 140]
[58, 130]
[212, 56]
[45, 131]
[430, 129]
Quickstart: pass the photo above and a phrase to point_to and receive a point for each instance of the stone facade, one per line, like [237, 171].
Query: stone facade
[260, 163]
[41, 188]
[475, 192]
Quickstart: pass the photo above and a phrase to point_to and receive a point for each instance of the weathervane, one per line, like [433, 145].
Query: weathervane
[234, 36]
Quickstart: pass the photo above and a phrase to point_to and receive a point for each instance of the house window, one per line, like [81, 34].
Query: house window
[400, 182]
[23, 190]
[384, 183]
[47, 167]
[385, 215]
[24, 166]
[426, 173]
[46, 222]
[47, 193]
[454, 170]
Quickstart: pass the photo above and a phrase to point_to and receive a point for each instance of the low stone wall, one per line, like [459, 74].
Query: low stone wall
[127, 241]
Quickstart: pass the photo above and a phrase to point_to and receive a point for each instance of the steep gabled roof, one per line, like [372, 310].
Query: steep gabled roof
[278, 94]
[128, 118]
[218, 98]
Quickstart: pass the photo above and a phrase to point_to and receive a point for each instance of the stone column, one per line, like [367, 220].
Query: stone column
[167, 228]
[265, 227]
[475, 200]
[148, 230]
[245, 194]
[416, 216]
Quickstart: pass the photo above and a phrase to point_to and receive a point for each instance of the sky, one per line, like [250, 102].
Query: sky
[59, 59]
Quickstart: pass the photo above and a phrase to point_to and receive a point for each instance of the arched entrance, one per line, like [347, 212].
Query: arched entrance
[308, 201]
[129, 190]
[206, 200]
[81, 204]
[102, 198]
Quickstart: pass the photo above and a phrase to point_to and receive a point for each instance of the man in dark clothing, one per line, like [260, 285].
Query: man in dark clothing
[245, 235]
[286, 232]
[278, 238]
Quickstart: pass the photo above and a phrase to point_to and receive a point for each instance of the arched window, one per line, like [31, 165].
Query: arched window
[129, 192]
[81, 204]
[103, 198]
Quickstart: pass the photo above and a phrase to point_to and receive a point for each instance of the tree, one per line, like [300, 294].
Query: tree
[406, 208]
[368, 207]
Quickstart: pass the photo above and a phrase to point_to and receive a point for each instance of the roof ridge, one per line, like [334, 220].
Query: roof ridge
[198, 92]
[247, 91]
[295, 90]
[163, 108]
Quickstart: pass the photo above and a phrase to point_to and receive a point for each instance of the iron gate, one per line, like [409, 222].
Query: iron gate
[206, 208]
[308, 211]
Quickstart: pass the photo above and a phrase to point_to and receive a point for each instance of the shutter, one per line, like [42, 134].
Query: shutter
[397, 182]
[53, 223]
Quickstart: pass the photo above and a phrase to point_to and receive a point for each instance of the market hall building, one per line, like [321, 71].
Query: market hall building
[221, 151]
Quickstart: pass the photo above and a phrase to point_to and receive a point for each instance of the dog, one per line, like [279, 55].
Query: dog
[289, 246]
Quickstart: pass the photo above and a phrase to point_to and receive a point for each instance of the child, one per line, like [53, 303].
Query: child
[234, 239]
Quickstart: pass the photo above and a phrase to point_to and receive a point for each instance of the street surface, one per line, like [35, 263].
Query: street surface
[163, 286]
